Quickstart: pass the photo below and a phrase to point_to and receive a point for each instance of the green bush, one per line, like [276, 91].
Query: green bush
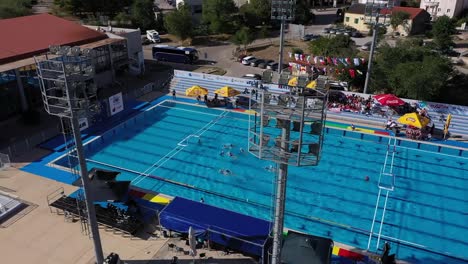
[297, 51]
[15, 8]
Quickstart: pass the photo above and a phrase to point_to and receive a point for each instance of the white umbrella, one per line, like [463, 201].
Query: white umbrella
[192, 242]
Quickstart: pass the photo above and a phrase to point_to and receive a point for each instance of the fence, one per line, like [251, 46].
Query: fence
[4, 161]
[158, 85]
[24, 145]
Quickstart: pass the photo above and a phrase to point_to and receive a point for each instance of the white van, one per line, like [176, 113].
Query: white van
[247, 60]
[153, 36]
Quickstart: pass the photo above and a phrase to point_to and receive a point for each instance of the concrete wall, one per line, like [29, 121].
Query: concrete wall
[351, 19]
[135, 51]
[450, 8]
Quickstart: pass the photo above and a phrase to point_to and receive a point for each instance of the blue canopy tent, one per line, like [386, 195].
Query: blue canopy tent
[236, 231]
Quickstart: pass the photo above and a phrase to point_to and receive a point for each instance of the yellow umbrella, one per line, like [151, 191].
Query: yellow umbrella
[413, 119]
[227, 91]
[292, 81]
[196, 91]
[312, 85]
[447, 124]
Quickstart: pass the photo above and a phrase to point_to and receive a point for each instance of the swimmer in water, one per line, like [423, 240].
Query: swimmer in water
[366, 178]
[225, 172]
[221, 153]
[230, 154]
[270, 168]
[241, 150]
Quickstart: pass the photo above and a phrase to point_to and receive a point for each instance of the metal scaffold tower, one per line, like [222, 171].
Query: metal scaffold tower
[287, 128]
[66, 77]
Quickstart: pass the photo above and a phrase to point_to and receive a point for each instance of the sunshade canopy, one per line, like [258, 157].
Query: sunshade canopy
[292, 81]
[389, 99]
[227, 91]
[413, 119]
[196, 91]
[312, 85]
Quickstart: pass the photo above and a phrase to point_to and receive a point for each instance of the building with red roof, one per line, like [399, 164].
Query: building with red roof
[24, 37]
[28, 37]
[416, 24]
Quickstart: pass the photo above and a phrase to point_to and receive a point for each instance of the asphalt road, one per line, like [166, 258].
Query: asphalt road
[221, 55]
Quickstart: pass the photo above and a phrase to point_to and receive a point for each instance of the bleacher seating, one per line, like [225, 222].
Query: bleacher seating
[112, 216]
[459, 124]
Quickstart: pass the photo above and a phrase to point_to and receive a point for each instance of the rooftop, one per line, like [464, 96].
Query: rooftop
[26, 36]
[361, 9]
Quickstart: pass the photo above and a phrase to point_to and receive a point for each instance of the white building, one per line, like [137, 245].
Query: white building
[395, 2]
[450, 8]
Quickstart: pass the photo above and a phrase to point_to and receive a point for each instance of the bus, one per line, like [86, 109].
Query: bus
[175, 54]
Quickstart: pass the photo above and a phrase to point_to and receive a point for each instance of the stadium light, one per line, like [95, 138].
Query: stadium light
[68, 91]
[287, 128]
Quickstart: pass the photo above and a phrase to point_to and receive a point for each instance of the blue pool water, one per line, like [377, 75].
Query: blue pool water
[427, 212]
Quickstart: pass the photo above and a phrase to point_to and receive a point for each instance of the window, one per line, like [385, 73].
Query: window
[439, 9]
[347, 19]
[448, 10]
[356, 21]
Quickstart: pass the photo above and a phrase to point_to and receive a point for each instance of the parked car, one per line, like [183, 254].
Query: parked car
[274, 66]
[341, 31]
[309, 37]
[256, 62]
[264, 64]
[241, 57]
[253, 76]
[356, 34]
[332, 31]
[366, 46]
[269, 65]
[326, 30]
[247, 60]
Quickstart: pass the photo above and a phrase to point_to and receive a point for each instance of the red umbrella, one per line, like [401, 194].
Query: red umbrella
[389, 100]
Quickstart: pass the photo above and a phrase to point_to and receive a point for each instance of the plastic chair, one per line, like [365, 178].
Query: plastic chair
[171, 247]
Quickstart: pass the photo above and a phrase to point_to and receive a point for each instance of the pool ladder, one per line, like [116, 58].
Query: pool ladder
[180, 146]
[386, 185]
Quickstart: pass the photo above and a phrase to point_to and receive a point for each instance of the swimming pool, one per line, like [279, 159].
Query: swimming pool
[426, 213]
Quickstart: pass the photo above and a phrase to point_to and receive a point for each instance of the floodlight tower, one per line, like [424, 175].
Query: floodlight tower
[287, 128]
[376, 10]
[283, 10]
[66, 77]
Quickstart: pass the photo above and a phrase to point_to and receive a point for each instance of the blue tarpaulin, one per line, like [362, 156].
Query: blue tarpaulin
[236, 231]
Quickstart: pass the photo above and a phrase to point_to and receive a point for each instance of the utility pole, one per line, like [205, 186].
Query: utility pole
[375, 29]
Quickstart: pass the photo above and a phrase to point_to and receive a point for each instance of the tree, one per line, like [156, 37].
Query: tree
[338, 46]
[243, 37]
[256, 12]
[14, 8]
[143, 15]
[179, 22]
[442, 29]
[217, 14]
[411, 3]
[399, 19]
[302, 12]
[410, 70]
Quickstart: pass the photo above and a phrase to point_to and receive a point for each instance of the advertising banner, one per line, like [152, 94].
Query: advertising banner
[83, 123]
[116, 104]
